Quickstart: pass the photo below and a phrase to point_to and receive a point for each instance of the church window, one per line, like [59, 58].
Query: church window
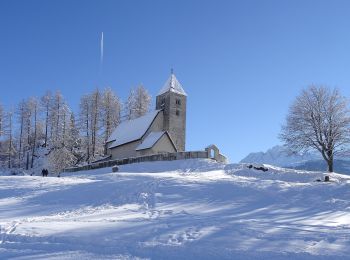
[177, 112]
[178, 102]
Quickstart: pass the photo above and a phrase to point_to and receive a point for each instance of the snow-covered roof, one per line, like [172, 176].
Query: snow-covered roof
[132, 130]
[173, 85]
[150, 140]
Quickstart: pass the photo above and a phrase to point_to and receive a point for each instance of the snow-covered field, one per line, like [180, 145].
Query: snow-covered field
[194, 209]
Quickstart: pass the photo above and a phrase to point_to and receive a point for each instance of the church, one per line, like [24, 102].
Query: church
[160, 131]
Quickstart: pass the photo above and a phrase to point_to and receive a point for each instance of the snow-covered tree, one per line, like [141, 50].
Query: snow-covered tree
[138, 103]
[95, 119]
[84, 124]
[319, 119]
[21, 116]
[55, 118]
[34, 107]
[27, 131]
[1, 120]
[110, 113]
[72, 137]
[8, 127]
[45, 108]
[60, 159]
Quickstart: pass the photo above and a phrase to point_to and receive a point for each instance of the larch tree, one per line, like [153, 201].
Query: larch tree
[21, 116]
[138, 103]
[84, 124]
[1, 120]
[8, 132]
[110, 113]
[34, 104]
[55, 118]
[65, 112]
[95, 104]
[72, 136]
[319, 119]
[1, 132]
[45, 104]
[27, 131]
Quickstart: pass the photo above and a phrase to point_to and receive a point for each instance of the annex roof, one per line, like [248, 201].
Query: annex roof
[150, 140]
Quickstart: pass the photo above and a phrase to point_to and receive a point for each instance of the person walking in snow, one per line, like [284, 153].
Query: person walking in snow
[43, 172]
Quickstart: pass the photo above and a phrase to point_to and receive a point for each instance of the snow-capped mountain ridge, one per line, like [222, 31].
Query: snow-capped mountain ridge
[279, 156]
[311, 161]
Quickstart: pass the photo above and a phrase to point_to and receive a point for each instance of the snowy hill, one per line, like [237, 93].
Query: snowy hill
[278, 156]
[193, 209]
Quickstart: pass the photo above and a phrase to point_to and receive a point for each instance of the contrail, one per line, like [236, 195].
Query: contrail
[102, 48]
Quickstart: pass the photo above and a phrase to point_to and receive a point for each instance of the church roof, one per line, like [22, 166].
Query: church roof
[132, 130]
[150, 140]
[173, 85]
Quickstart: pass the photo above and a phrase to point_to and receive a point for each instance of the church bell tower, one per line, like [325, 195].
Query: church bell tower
[172, 100]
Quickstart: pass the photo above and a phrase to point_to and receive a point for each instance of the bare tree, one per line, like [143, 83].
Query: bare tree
[45, 106]
[72, 136]
[55, 119]
[28, 116]
[110, 113]
[84, 119]
[34, 108]
[95, 101]
[1, 120]
[138, 102]
[21, 115]
[319, 119]
[8, 131]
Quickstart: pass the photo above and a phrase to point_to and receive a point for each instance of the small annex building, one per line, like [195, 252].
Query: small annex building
[160, 131]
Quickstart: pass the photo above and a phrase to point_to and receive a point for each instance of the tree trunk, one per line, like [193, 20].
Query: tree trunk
[46, 123]
[87, 135]
[10, 144]
[58, 119]
[330, 165]
[20, 141]
[34, 139]
[64, 129]
[27, 162]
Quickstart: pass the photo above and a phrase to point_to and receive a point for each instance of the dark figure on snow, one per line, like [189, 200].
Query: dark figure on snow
[45, 172]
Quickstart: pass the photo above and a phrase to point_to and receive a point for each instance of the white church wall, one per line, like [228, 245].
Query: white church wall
[125, 151]
[163, 145]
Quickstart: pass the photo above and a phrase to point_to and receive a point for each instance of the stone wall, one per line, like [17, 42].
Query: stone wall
[147, 158]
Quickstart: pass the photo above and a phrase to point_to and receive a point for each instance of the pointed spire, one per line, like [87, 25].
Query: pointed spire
[172, 85]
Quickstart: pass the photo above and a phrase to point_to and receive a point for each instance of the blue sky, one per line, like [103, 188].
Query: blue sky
[241, 62]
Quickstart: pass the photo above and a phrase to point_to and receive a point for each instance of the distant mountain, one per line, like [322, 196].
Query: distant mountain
[340, 166]
[279, 156]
